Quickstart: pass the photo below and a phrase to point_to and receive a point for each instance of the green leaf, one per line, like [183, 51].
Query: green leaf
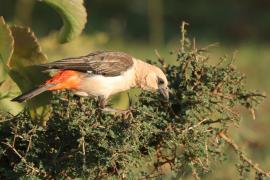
[6, 48]
[74, 16]
[8, 89]
[27, 53]
[26, 48]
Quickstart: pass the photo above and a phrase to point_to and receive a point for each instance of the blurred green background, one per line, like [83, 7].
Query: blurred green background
[140, 26]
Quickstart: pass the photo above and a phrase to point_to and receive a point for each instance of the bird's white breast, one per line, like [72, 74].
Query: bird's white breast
[99, 85]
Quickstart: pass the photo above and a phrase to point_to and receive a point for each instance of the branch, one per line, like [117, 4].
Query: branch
[194, 172]
[183, 37]
[21, 157]
[241, 154]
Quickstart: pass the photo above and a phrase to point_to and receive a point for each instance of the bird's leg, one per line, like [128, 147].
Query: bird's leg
[104, 107]
[102, 102]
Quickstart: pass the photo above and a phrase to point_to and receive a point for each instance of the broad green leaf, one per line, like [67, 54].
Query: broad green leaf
[27, 53]
[6, 48]
[74, 16]
[8, 89]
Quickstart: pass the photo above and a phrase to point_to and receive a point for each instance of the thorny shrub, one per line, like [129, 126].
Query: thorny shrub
[183, 136]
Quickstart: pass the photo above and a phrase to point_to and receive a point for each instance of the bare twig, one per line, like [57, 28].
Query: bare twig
[242, 155]
[159, 56]
[21, 157]
[183, 33]
[83, 150]
[229, 97]
[234, 55]
[194, 172]
[30, 139]
[209, 46]
[82, 144]
[196, 125]
[252, 111]
[229, 109]
[5, 120]
[207, 155]
[203, 166]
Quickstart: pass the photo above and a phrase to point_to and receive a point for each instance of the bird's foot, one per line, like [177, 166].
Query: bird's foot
[125, 113]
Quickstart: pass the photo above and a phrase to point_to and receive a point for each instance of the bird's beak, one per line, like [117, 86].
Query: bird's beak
[164, 92]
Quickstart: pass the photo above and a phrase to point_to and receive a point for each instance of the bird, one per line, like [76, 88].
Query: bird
[101, 74]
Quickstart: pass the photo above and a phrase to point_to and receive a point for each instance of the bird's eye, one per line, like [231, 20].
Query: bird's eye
[160, 81]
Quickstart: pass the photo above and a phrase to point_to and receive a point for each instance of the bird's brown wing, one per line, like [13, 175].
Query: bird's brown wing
[106, 63]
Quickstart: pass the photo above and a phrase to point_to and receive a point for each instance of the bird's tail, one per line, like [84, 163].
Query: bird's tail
[30, 94]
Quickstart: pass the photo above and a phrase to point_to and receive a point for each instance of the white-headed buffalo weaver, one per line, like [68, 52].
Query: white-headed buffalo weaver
[101, 74]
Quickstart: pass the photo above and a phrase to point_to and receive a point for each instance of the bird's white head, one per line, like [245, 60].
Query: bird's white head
[151, 78]
[155, 80]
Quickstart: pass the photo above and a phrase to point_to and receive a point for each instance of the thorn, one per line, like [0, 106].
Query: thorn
[253, 113]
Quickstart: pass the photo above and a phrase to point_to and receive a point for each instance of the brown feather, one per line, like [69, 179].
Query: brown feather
[107, 63]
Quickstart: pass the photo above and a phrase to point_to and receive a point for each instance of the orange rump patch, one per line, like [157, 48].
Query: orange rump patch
[66, 79]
